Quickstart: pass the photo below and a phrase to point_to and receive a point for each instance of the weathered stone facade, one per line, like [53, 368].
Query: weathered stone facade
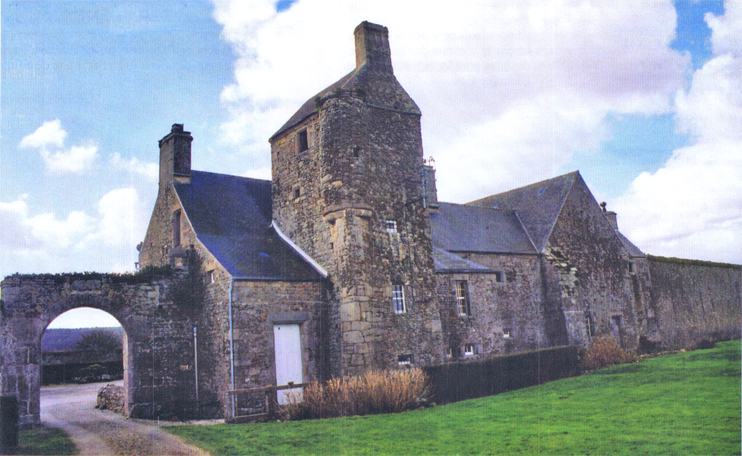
[348, 245]
[158, 374]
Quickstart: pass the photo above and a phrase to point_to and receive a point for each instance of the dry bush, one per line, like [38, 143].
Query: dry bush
[370, 393]
[605, 351]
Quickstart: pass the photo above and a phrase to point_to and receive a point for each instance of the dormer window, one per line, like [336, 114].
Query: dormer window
[302, 141]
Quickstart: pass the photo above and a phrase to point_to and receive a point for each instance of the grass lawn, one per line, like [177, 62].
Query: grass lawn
[45, 440]
[684, 404]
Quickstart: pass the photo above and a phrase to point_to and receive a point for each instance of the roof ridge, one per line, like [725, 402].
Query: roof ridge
[232, 176]
[535, 184]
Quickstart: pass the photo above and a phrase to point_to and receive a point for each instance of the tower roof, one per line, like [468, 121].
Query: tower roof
[373, 79]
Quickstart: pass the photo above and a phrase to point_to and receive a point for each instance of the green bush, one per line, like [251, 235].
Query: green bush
[374, 392]
[605, 351]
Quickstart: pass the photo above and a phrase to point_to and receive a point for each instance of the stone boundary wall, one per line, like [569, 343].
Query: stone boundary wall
[694, 300]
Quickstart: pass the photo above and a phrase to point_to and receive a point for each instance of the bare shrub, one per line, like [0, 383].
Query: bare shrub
[605, 351]
[374, 392]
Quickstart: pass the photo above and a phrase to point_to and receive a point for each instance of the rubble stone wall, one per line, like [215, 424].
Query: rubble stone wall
[693, 300]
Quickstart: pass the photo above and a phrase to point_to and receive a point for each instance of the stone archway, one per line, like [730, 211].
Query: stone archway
[156, 348]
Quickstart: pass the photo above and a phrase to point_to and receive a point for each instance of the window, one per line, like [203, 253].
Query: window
[468, 349]
[462, 298]
[297, 193]
[302, 142]
[210, 277]
[176, 229]
[391, 226]
[632, 267]
[589, 325]
[398, 299]
[499, 277]
[404, 360]
[506, 333]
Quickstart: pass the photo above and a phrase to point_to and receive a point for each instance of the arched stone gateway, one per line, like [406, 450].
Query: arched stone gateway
[158, 345]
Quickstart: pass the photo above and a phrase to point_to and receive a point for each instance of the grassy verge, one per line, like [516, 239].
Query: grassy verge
[687, 404]
[45, 440]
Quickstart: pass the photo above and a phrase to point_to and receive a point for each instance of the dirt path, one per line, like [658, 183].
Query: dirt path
[101, 432]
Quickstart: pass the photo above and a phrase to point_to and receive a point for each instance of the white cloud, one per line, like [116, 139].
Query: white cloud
[49, 140]
[692, 206]
[103, 242]
[149, 171]
[499, 83]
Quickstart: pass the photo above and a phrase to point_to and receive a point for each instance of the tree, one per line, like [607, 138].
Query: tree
[99, 340]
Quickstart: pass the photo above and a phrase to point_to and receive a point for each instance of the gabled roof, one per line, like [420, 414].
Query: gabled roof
[462, 228]
[231, 216]
[538, 205]
[449, 263]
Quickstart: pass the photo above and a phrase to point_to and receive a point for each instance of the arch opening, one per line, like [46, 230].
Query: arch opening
[83, 350]
[82, 345]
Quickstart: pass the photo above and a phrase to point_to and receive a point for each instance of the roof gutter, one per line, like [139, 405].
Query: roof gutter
[305, 256]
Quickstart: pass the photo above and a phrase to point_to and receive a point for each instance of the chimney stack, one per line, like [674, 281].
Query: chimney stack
[372, 47]
[175, 154]
[610, 215]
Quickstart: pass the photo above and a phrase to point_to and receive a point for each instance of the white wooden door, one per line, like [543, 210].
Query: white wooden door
[288, 358]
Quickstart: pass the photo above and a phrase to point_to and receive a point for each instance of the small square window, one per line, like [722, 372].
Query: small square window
[468, 349]
[391, 226]
[506, 334]
[404, 360]
[462, 298]
[302, 141]
[398, 299]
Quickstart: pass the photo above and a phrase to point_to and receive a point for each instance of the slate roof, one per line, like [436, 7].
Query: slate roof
[231, 216]
[462, 228]
[379, 89]
[538, 205]
[448, 262]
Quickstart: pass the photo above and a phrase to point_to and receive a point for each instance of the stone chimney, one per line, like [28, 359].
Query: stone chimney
[175, 155]
[430, 192]
[372, 47]
[610, 215]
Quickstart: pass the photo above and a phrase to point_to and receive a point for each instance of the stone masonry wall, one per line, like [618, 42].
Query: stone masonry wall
[506, 315]
[156, 357]
[587, 266]
[694, 300]
[256, 308]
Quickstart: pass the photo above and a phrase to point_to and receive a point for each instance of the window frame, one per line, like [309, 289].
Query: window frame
[398, 299]
[463, 303]
[302, 141]
[391, 226]
[469, 350]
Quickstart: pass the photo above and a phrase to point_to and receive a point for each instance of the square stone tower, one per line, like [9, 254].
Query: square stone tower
[347, 188]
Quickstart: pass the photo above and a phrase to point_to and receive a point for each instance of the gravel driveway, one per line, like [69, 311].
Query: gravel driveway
[101, 432]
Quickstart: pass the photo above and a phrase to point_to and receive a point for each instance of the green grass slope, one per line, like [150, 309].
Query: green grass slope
[686, 404]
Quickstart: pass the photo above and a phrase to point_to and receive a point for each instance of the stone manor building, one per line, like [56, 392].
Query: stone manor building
[346, 261]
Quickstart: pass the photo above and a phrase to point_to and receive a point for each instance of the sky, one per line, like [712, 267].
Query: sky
[643, 98]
